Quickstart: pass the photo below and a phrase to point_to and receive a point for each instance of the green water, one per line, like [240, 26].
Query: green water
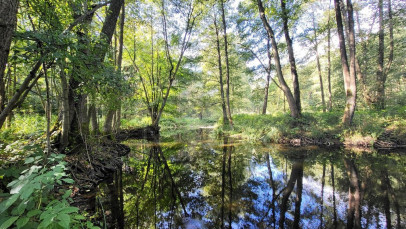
[197, 181]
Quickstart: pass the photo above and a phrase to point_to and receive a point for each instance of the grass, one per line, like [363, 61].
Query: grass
[367, 126]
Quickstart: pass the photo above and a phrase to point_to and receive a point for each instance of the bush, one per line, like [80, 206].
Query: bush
[32, 201]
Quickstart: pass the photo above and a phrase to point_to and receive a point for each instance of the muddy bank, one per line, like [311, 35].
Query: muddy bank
[386, 141]
[93, 164]
[91, 167]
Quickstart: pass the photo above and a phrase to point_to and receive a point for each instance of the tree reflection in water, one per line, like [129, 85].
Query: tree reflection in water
[228, 184]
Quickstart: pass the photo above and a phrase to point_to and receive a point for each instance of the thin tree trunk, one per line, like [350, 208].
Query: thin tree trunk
[223, 16]
[268, 76]
[223, 102]
[380, 76]
[295, 77]
[47, 111]
[316, 43]
[65, 109]
[294, 111]
[330, 102]
[349, 82]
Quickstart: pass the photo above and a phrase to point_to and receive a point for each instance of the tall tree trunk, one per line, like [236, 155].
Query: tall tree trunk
[223, 102]
[64, 139]
[112, 119]
[8, 22]
[349, 79]
[293, 70]
[316, 44]
[294, 111]
[223, 16]
[79, 127]
[330, 102]
[380, 76]
[268, 76]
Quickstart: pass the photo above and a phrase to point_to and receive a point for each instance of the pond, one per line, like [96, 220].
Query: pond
[197, 181]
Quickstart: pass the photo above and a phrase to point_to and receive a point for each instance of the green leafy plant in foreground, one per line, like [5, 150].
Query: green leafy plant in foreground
[32, 201]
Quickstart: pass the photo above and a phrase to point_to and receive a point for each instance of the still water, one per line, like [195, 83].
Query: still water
[197, 181]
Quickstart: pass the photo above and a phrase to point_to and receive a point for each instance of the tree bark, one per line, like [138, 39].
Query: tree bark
[268, 76]
[294, 111]
[349, 79]
[8, 22]
[223, 102]
[292, 61]
[330, 102]
[223, 16]
[380, 76]
[111, 118]
[79, 126]
[316, 44]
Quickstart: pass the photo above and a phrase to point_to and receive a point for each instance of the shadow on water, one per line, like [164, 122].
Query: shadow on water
[198, 182]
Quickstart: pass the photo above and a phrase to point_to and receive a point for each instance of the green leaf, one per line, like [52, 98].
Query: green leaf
[9, 222]
[20, 209]
[68, 180]
[79, 217]
[33, 213]
[22, 222]
[29, 160]
[69, 210]
[7, 203]
[27, 192]
[64, 220]
[48, 219]
[67, 194]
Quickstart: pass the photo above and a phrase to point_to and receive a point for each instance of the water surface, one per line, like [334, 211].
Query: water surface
[195, 181]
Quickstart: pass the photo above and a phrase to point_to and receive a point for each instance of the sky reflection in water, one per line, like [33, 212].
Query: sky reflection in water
[208, 184]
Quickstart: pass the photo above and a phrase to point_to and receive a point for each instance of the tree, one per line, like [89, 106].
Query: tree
[8, 22]
[223, 102]
[382, 71]
[349, 77]
[223, 17]
[294, 110]
[292, 61]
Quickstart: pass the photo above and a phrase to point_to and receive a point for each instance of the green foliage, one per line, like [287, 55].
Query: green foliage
[31, 125]
[32, 201]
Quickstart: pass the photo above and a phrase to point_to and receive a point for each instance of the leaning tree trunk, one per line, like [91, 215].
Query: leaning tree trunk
[268, 77]
[292, 61]
[8, 22]
[349, 81]
[294, 111]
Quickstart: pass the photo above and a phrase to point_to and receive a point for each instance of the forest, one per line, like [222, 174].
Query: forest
[202, 114]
